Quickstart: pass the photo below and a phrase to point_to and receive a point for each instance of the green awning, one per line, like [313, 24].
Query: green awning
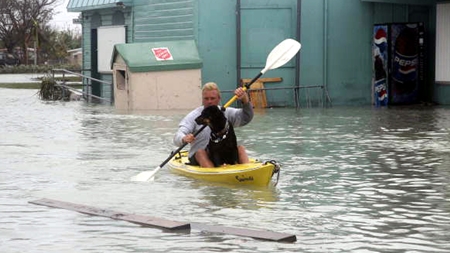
[159, 56]
[85, 5]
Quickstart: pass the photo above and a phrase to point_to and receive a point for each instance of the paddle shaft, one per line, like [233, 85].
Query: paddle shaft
[180, 148]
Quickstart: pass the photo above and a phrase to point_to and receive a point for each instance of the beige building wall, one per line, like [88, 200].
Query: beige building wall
[158, 90]
[175, 89]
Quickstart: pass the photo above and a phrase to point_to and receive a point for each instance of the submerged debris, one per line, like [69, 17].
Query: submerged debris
[50, 90]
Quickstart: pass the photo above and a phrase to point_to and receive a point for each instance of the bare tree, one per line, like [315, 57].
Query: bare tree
[20, 21]
[56, 43]
[8, 34]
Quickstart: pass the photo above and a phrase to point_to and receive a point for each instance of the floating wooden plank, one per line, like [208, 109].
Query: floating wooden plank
[166, 224]
[256, 234]
[138, 219]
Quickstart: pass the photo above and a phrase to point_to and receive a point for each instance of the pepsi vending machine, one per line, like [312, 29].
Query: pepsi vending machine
[398, 53]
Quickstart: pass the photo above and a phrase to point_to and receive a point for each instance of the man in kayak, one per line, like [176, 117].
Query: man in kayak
[187, 127]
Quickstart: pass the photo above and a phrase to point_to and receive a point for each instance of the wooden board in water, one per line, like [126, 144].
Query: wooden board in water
[166, 224]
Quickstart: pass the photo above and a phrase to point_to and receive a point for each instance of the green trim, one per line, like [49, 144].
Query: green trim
[79, 6]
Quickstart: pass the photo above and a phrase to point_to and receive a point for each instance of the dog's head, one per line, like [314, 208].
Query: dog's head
[212, 116]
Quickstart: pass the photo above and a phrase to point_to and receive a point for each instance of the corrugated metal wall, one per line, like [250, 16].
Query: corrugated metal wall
[263, 25]
[161, 20]
[335, 36]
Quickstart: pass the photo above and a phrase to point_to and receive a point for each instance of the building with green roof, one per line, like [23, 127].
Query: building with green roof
[156, 75]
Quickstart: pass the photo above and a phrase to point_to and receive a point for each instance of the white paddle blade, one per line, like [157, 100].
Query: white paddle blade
[145, 176]
[281, 54]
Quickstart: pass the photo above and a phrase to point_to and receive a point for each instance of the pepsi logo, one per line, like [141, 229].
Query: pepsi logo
[380, 36]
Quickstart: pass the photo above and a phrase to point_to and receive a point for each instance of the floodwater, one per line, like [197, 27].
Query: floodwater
[356, 179]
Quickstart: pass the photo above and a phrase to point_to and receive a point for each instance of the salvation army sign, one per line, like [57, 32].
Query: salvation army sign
[162, 54]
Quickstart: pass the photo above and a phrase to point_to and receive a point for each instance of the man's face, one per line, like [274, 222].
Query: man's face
[210, 97]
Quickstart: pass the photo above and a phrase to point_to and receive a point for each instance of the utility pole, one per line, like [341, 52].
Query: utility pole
[36, 26]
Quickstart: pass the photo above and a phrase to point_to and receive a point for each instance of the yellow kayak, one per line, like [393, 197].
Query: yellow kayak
[254, 173]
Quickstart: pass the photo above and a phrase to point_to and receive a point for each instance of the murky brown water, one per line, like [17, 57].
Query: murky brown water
[353, 180]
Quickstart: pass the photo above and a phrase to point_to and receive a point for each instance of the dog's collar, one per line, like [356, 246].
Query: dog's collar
[220, 136]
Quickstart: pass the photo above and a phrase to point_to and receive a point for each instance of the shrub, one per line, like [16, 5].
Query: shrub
[51, 91]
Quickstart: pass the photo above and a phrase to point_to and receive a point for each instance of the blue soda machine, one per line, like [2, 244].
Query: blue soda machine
[398, 72]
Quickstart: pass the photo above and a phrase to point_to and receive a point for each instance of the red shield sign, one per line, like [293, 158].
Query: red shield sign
[162, 54]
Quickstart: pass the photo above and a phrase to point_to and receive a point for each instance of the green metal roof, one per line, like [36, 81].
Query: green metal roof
[139, 57]
[84, 5]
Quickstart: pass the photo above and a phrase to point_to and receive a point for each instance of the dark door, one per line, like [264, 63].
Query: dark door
[96, 88]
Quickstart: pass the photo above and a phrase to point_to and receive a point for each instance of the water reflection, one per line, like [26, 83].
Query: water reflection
[381, 180]
[352, 179]
[235, 196]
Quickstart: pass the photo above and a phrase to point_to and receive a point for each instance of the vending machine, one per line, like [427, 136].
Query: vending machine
[398, 58]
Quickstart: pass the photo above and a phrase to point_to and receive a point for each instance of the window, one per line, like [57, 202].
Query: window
[120, 79]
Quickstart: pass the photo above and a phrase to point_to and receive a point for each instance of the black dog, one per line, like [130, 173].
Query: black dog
[222, 146]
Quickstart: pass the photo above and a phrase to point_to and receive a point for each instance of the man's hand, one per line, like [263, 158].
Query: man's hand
[188, 138]
[241, 95]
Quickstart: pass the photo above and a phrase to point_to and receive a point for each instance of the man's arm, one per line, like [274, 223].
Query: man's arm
[187, 126]
[240, 117]
[247, 113]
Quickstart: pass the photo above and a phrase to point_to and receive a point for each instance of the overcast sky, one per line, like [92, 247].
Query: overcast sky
[63, 19]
